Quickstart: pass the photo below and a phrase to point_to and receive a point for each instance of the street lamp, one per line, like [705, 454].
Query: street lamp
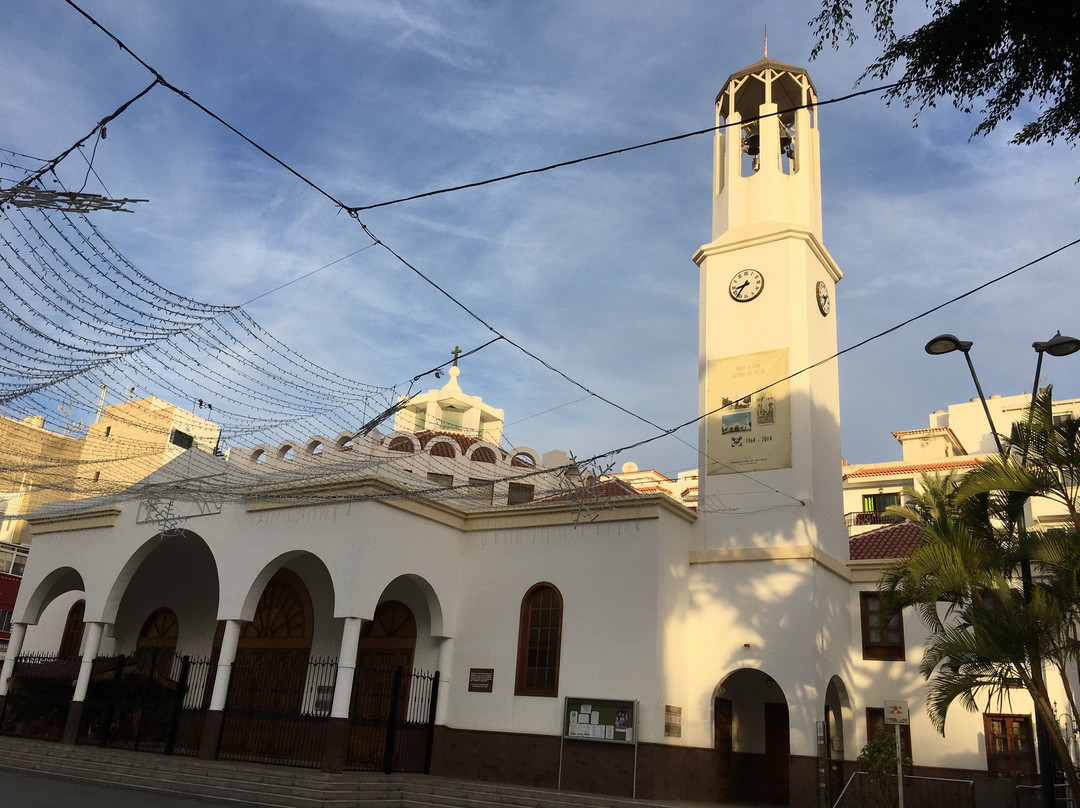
[947, 343]
[1055, 346]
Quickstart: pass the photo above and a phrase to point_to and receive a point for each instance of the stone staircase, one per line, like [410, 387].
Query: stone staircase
[279, 787]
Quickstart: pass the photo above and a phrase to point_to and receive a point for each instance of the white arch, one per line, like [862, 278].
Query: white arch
[56, 583]
[135, 560]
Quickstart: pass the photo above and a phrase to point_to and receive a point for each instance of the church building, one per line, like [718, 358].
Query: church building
[586, 636]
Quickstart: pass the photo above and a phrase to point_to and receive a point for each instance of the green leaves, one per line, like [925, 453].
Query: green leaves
[995, 58]
[999, 599]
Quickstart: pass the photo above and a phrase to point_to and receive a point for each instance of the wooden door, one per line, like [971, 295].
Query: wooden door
[722, 728]
[777, 752]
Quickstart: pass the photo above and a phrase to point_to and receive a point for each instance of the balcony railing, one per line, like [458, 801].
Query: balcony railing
[860, 518]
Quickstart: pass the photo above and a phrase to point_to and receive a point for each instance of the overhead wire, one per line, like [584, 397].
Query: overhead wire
[354, 210]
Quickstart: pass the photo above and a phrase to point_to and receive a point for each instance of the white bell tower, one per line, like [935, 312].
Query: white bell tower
[770, 445]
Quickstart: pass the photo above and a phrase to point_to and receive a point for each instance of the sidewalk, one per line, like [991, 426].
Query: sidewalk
[22, 790]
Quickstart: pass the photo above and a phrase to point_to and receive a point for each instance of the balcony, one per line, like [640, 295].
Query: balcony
[869, 519]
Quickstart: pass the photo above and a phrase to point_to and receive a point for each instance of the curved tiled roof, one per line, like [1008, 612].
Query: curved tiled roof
[875, 469]
[890, 541]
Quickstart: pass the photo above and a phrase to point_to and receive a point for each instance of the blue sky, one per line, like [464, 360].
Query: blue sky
[588, 267]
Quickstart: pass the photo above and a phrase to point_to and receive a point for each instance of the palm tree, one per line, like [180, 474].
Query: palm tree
[1000, 600]
[935, 499]
[984, 628]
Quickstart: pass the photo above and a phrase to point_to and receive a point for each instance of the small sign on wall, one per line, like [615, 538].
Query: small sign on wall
[672, 721]
[481, 680]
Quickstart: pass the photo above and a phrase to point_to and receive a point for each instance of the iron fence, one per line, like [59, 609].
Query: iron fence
[277, 708]
[39, 696]
[927, 792]
[1030, 796]
[152, 700]
[392, 720]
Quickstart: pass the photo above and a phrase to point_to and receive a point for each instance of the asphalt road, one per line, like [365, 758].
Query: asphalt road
[20, 790]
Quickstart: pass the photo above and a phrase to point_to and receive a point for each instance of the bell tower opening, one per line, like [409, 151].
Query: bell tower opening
[766, 148]
[751, 145]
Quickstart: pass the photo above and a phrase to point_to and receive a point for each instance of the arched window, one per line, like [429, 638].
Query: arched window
[160, 630]
[482, 455]
[71, 642]
[522, 460]
[155, 648]
[539, 642]
[443, 448]
[283, 616]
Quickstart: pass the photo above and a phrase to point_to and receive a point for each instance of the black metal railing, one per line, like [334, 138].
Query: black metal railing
[859, 518]
[152, 700]
[39, 696]
[862, 791]
[392, 720]
[277, 708]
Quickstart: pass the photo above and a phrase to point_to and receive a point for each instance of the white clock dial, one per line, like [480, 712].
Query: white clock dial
[824, 302]
[746, 285]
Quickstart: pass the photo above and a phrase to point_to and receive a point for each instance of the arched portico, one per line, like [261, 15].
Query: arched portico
[56, 583]
[751, 738]
[176, 571]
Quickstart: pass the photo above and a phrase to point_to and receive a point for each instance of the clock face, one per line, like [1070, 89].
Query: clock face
[746, 285]
[824, 303]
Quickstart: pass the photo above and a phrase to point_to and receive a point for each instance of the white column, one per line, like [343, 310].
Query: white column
[446, 664]
[90, 651]
[346, 668]
[18, 634]
[225, 660]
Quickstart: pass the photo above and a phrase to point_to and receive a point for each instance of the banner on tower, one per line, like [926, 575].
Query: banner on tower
[749, 422]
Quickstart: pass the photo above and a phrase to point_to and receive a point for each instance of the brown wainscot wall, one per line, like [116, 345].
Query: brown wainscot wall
[663, 772]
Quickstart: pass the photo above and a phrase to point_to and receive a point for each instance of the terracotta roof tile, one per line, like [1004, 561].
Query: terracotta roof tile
[873, 469]
[609, 489]
[890, 541]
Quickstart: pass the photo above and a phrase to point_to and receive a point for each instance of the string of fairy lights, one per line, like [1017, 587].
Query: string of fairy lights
[80, 322]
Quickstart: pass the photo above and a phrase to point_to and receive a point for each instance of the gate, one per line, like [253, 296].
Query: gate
[151, 701]
[392, 720]
[39, 696]
[277, 708]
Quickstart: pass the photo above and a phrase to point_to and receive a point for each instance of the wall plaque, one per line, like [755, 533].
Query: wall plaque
[481, 680]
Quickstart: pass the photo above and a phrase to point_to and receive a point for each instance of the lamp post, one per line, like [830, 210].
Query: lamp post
[947, 343]
[1055, 346]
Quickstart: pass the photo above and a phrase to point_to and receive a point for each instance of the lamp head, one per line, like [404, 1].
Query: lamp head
[1058, 345]
[947, 343]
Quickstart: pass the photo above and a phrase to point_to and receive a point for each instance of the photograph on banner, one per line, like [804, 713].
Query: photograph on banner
[749, 428]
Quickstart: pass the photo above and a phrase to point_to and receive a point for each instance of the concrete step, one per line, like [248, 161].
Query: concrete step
[281, 786]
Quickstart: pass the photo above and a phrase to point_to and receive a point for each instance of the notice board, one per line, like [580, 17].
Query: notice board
[611, 720]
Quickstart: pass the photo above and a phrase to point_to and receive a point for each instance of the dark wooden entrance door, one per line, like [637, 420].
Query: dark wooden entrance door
[722, 729]
[777, 752]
